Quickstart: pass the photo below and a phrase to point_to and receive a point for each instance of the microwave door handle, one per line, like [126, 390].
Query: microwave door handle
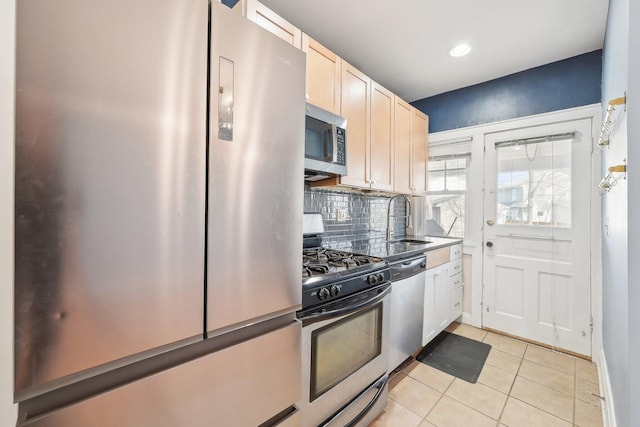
[334, 143]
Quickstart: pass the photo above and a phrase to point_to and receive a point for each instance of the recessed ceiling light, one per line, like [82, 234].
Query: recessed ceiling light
[460, 50]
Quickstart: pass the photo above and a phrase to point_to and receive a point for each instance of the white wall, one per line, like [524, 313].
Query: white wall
[7, 43]
[633, 157]
[615, 263]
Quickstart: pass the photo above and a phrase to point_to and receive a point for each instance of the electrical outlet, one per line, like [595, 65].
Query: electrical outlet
[341, 215]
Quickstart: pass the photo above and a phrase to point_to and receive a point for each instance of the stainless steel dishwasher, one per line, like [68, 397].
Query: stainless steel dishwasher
[407, 305]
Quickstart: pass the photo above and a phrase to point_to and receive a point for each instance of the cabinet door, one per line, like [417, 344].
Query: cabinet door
[355, 108]
[382, 102]
[429, 327]
[419, 152]
[274, 23]
[441, 299]
[323, 75]
[402, 180]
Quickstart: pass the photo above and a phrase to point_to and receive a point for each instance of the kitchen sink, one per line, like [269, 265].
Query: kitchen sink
[412, 241]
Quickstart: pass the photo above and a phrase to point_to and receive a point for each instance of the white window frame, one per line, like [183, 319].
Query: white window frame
[450, 150]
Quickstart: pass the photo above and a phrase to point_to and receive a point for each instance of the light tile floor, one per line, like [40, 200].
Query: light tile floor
[521, 385]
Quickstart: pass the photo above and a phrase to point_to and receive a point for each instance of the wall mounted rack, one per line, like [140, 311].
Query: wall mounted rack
[609, 120]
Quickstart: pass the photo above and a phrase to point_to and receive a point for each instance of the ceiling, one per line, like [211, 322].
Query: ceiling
[404, 45]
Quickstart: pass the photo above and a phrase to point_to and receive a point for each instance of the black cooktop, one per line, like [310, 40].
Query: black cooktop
[341, 272]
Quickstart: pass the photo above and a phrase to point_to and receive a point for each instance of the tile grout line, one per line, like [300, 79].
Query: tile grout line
[512, 384]
[575, 389]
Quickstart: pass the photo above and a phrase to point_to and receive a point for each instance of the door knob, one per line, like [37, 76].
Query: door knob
[490, 222]
[489, 244]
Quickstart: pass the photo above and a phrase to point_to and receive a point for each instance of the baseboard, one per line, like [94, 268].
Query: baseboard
[608, 410]
[467, 319]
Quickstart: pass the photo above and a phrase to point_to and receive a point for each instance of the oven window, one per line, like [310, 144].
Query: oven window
[343, 347]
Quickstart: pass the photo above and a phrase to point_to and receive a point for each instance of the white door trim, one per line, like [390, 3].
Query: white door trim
[473, 244]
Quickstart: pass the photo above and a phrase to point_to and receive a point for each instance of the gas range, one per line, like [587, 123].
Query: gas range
[330, 274]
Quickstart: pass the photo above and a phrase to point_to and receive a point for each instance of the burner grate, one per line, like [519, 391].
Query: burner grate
[318, 261]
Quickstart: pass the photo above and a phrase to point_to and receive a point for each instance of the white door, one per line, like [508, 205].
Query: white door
[536, 270]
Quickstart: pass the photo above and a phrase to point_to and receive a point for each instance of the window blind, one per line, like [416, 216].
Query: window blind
[537, 139]
[450, 148]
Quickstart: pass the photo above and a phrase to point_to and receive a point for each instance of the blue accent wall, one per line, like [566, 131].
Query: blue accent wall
[572, 82]
[230, 3]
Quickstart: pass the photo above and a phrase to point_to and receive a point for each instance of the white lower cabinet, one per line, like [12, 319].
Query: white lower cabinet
[441, 308]
[442, 291]
[429, 316]
[436, 303]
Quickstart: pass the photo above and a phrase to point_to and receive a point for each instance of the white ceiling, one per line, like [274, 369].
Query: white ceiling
[404, 44]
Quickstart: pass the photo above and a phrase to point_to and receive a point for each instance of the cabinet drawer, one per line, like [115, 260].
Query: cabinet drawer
[455, 267]
[455, 304]
[455, 281]
[437, 257]
[455, 251]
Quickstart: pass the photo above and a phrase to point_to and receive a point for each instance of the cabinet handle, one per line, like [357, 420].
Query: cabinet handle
[457, 282]
[456, 267]
[457, 304]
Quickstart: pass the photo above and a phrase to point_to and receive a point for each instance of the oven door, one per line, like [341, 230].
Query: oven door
[344, 353]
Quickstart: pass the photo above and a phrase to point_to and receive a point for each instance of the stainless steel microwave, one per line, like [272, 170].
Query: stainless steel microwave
[325, 144]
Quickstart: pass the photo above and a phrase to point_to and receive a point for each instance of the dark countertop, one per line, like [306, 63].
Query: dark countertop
[394, 250]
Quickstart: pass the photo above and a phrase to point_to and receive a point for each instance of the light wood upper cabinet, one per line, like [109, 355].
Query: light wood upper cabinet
[355, 107]
[402, 147]
[381, 156]
[323, 75]
[274, 23]
[419, 151]
[410, 164]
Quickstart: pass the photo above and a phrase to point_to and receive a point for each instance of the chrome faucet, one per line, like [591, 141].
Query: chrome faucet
[389, 216]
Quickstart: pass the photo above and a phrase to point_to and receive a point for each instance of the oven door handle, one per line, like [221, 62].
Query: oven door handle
[380, 385]
[344, 310]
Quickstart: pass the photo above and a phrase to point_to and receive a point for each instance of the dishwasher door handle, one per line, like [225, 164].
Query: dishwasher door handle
[410, 263]
[407, 268]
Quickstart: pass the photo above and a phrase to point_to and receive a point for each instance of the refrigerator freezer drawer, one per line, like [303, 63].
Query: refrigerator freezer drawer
[243, 385]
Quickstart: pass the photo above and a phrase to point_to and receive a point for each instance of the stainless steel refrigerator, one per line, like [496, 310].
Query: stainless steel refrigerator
[159, 192]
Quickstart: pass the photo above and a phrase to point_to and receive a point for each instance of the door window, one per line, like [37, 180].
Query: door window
[534, 183]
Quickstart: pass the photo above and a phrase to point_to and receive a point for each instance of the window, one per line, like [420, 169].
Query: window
[446, 195]
[534, 183]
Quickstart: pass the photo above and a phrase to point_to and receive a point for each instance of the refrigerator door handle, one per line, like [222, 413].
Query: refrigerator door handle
[225, 99]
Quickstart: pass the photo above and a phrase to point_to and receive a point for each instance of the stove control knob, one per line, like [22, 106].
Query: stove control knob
[373, 279]
[380, 277]
[335, 290]
[323, 294]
